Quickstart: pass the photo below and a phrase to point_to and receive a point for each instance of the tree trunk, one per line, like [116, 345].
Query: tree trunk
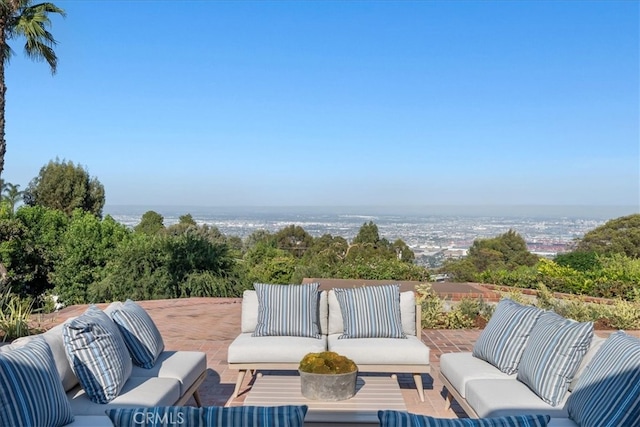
[3, 89]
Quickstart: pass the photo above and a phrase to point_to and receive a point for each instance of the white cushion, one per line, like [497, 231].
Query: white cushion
[137, 392]
[381, 351]
[184, 366]
[596, 343]
[284, 349]
[407, 313]
[498, 398]
[459, 368]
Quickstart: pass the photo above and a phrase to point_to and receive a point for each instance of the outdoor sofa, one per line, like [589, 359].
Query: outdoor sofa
[531, 361]
[352, 322]
[74, 372]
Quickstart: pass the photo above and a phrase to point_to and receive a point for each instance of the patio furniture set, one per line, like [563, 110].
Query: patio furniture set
[528, 368]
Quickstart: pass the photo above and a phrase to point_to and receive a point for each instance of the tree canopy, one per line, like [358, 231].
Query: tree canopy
[617, 236]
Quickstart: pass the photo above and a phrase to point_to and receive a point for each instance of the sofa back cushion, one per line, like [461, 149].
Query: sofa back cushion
[31, 393]
[596, 343]
[407, 313]
[553, 354]
[503, 340]
[98, 355]
[249, 317]
[390, 418]
[288, 310]
[53, 337]
[608, 392]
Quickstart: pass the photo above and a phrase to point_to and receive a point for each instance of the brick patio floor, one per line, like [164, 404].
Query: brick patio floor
[210, 324]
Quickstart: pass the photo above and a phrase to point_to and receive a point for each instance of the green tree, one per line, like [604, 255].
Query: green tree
[65, 186]
[151, 223]
[294, 239]
[617, 236]
[12, 195]
[579, 260]
[185, 223]
[509, 250]
[368, 234]
[21, 18]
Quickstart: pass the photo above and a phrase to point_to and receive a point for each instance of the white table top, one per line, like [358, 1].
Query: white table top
[372, 394]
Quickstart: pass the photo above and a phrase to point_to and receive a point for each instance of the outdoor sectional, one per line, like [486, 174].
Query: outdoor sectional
[279, 351]
[531, 361]
[168, 378]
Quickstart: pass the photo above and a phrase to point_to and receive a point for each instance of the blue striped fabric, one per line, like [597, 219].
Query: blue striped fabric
[370, 312]
[287, 310]
[503, 340]
[405, 419]
[255, 416]
[160, 416]
[139, 332]
[607, 394]
[31, 392]
[97, 354]
[553, 354]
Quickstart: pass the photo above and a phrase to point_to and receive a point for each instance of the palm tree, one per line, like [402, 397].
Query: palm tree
[12, 195]
[22, 18]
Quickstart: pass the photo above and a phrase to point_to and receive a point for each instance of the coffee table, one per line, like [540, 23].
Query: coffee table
[372, 394]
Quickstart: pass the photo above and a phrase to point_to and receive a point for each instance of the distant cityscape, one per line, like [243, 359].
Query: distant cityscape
[434, 234]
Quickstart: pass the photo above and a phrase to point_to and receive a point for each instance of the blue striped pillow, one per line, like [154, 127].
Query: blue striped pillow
[287, 310]
[370, 312]
[607, 394]
[503, 340]
[160, 416]
[255, 416]
[404, 419]
[139, 332]
[31, 392]
[97, 354]
[553, 354]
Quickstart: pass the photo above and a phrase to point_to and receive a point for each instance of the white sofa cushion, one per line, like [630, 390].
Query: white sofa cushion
[553, 354]
[140, 333]
[249, 318]
[503, 340]
[97, 354]
[596, 343]
[287, 310]
[459, 368]
[137, 392]
[53, 337]
[608, 392]
[249, 349]
[370, 311]
[184, 366]
[30, 390]
[381, 351]
[407, 313]
[497, 398]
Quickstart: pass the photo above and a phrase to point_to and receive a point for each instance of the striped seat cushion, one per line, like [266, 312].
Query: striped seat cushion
[370, 312]
[607, 394]
[139, 332]
[404, 419]
[503, 340]
[97, 354]
[287, 310]
[31, 392]
[553, 354]
[255, 416]
[160, 416]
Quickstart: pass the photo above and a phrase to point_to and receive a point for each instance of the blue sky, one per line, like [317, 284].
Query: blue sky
[297, 103]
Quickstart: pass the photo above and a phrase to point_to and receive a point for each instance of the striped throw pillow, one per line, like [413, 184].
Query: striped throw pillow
[31, 392]
[160, 416]
[553, 354]
[404, 419]
[139, 332]
[503, 340]
[607, 394]
[255, 416]
[97, 354]
[370, 312]
[287, 310]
